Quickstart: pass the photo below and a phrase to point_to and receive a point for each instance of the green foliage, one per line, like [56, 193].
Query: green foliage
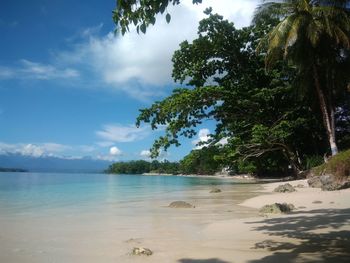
[140, 167]
[141, 13]
[132, 167]
[271, 119]
[313, 161]
[338, 165]
[201, 161]
[258, 111]
[315, 37]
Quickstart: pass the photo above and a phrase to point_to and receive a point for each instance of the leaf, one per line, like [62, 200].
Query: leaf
[143, 28]
[168, 18]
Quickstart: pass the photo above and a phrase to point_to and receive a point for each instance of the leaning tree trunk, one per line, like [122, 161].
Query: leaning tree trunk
[328, 118]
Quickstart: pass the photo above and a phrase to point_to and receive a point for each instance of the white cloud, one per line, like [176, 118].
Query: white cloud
[114, 151]
[35, 150]
[136, 64]
[105, 144]
[203, 137]
[145, 154]
[140, 64]
[33, 70]
[45, 71]
[120, 133]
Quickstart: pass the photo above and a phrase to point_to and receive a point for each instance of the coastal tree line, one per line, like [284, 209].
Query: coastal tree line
[197, 162]
[278, 89]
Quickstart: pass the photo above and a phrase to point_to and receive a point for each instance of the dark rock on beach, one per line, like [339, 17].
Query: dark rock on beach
[285, 188]
[328, 182]
[181, 204]
[315, 182]
[215, 190]
[141, 251]
[277, 208]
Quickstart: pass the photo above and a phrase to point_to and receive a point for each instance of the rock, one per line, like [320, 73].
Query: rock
[277, 208]
[328, 182]
[181, 204]
[215, 190]
[317, 202]
[285, 188]
[315, 182]
[345, 185]
[300, 186]
[140, 251]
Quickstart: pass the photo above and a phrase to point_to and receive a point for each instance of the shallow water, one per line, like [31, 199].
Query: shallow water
[92, 217]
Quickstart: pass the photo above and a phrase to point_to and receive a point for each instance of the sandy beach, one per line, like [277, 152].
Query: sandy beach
[224, 227]
[317, 231]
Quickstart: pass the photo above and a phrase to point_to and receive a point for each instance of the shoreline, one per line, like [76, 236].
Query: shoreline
[224, 227]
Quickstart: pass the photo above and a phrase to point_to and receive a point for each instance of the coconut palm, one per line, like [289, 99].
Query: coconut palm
[314, 36]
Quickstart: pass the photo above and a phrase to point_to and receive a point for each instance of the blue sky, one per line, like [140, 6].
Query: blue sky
[70, 87]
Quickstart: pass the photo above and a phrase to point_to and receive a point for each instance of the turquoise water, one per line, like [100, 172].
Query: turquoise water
[35, 193]
[48, 217]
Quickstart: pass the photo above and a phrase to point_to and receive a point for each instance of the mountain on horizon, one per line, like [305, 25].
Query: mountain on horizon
[53, 164]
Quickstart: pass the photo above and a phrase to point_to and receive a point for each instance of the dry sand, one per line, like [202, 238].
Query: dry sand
[218, 230]
[318, 231]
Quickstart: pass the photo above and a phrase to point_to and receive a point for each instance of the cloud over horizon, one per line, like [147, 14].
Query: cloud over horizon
[136, 64]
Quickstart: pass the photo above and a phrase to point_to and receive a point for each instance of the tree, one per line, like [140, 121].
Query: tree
[201, 161]
[314, 36]
[256, 111]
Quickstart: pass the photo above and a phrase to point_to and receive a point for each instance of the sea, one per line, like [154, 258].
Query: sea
[83, 217]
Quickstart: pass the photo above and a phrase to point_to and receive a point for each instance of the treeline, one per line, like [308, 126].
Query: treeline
[141, 166]
[200, 162]
[12, 170]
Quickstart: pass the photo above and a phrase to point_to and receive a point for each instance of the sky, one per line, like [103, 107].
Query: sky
[70, 87]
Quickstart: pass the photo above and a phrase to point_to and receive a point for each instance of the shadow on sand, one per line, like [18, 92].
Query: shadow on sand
[312, 244]
[210, 260]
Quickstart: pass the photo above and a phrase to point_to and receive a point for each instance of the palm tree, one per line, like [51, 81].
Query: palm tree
[313, 36]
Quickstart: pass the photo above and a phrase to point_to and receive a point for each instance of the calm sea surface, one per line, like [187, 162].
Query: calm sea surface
[49, 217]
[35, 193]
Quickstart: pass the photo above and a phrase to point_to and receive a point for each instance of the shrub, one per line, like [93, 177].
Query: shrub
[313, 161]
[338, 165]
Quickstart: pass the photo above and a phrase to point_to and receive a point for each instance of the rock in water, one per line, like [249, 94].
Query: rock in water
[181, 204]
[139, 251]
[215, 190]
[285, 188]
[277, 208]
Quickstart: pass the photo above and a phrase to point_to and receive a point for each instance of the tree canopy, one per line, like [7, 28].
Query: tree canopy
[315, 37]
[267, 121]
[259, 112]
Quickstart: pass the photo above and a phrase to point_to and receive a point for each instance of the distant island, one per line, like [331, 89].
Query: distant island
[13, 170]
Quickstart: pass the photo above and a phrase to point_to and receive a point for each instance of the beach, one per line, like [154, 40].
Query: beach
[223, 227]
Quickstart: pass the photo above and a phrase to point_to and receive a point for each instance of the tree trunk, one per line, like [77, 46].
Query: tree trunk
[328, 118]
